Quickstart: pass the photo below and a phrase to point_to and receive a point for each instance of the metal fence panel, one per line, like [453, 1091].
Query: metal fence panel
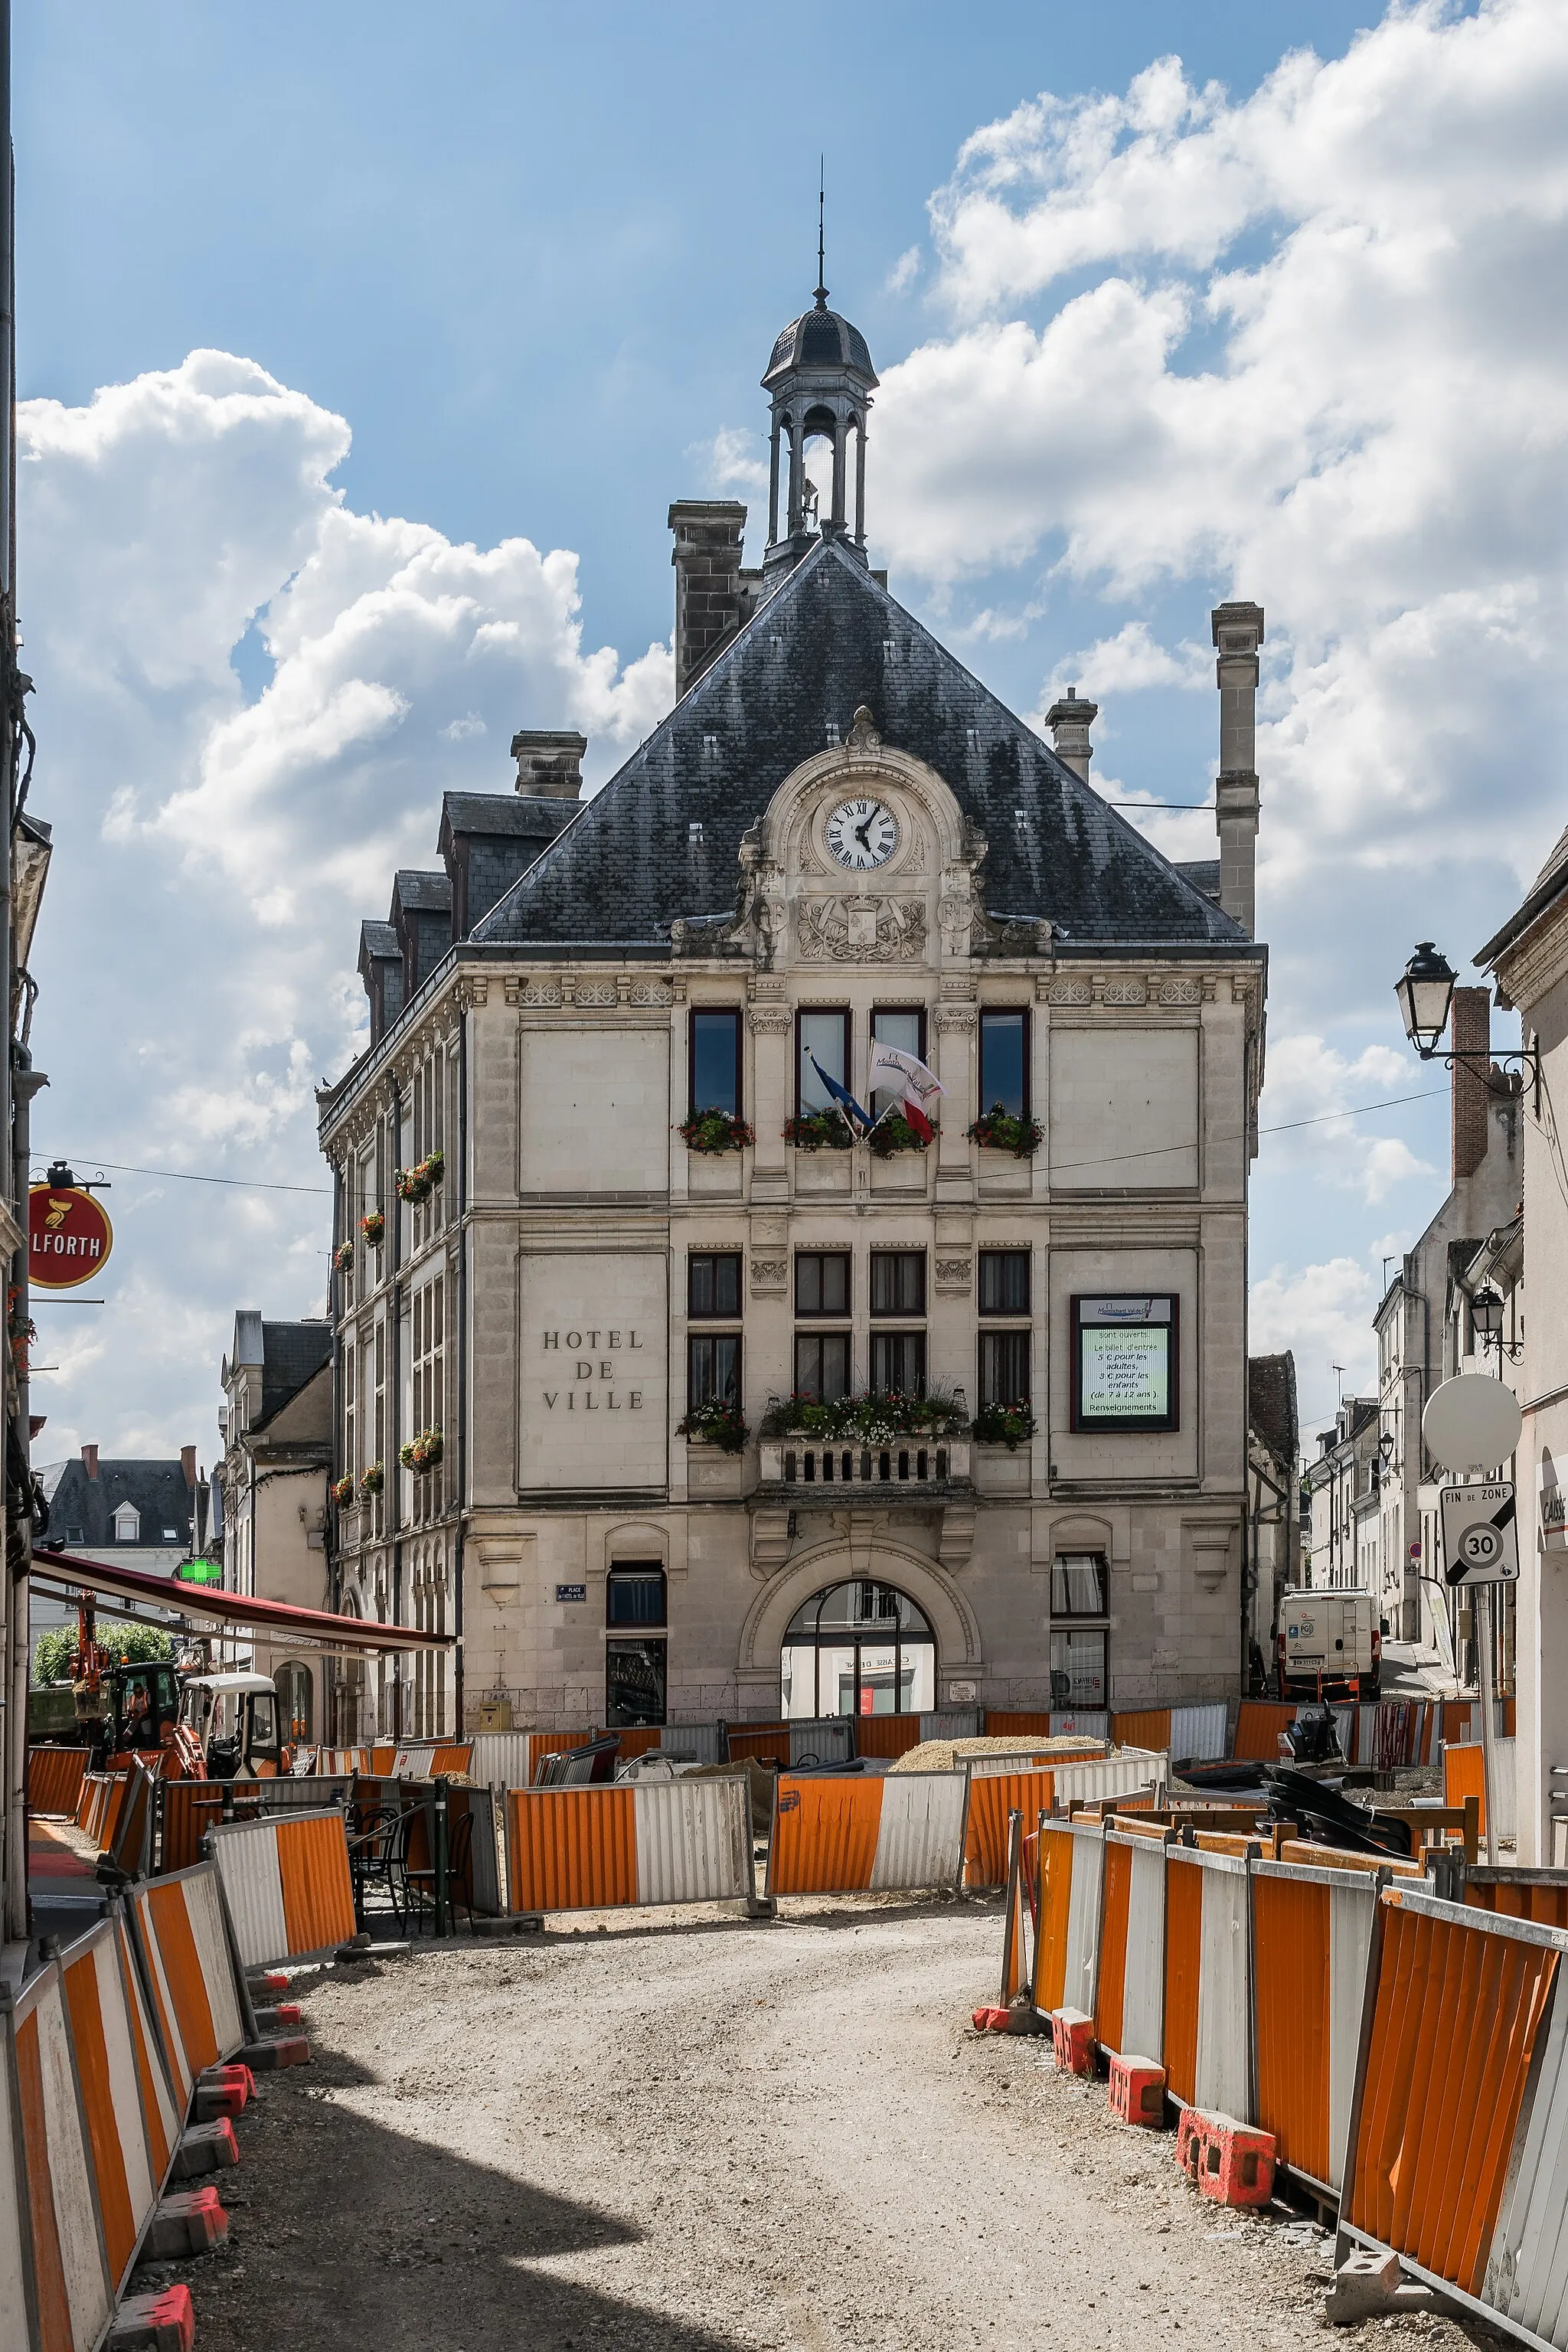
[1143, 1994]
[828, 1740]
[1082, 1978]
[501, 1758]
[1200, 1733]
[693, 1839]
[919, 1839]
[1109, 1776]
[950, 1723]
[1225, 2017]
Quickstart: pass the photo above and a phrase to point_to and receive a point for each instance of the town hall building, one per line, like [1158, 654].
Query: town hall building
[660, 1384]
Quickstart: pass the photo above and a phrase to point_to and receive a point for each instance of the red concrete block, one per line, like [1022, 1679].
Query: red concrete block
[266, 1981]
[206, 2147]
[1189, 2142]
[267, 2057]
[191, 2221]
[1072, 2041]
[1236, 2166]
[273, 2021]
[990, 2021]
[223, 2091]
[164, 2321]
[1138, 2092]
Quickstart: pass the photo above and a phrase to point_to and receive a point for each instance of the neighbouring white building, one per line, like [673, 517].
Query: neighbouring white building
[553, 1305]
[275, 1422]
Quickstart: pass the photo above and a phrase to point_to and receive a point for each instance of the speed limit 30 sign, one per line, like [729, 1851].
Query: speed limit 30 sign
[1480, 1535]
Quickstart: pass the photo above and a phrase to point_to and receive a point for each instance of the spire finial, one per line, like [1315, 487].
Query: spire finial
[821, 228]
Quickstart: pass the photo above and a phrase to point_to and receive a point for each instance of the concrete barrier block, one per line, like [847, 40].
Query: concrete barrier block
[191, 2221]
[206, 2147]
[279, 2020]
[1072, 2041]
[164, 2321]
[269, 2057]
[1365, 2284]
[1189, 2142]
[1236, 2166]
[266, 1981]
[223, 2091]
[1138, 2091]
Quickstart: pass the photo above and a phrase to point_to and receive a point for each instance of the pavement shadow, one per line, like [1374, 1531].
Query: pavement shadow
[345, 2232]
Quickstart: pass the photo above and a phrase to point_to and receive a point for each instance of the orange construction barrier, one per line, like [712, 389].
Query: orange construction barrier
[132, 2126]
[179, 1928]
[1311, 1928]
[1464, 1775]
[55, 1776]
[1460, 2107]
[1258, 1723]
[593, 1849]
[1519, 1893]
[871, 1834]
[1129, 1990]
[542, 1744]
[288, 1885]
[991, 1797]
[72, 2293]
[1070, 1863]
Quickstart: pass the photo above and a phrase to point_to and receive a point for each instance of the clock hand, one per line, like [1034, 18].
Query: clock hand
[862, 830]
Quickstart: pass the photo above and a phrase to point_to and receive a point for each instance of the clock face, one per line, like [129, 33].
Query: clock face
[862, 833]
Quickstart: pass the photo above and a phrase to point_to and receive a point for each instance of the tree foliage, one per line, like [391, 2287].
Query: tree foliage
[134, 1644]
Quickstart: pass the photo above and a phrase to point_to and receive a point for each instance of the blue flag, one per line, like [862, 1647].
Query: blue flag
[841, 1095]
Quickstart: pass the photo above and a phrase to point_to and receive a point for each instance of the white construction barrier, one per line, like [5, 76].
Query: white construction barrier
[872, 1834]
[1072, 1864]
[1208, 2014]
[178, 1924]
[686, 1841]
[1130, 1991]
[287, 1883]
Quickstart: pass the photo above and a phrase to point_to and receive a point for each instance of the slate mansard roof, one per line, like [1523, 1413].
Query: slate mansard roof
[661, 840]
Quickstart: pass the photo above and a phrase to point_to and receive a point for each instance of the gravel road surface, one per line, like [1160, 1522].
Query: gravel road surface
[690, 2132]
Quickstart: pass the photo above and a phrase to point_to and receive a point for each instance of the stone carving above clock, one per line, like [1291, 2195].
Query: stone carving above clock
[861, 929]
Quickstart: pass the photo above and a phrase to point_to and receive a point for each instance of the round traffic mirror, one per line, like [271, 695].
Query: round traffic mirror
[1472, 1422]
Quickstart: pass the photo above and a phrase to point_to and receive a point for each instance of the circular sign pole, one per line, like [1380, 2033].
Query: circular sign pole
[1473, 1423]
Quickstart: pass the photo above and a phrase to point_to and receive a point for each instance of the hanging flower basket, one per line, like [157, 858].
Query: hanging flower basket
[819, 1131]
[372, 1226]
[344, 1490]
[998, 1130]
[718, 1424]
[372, 1479]
[895, 1134]
[422, 1452]
[1004, 1425]
[871, 1419]
[343, 1257]
[716, 1130]
[416, 1184]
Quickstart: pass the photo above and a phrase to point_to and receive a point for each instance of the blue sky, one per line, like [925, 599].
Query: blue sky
[513, 275]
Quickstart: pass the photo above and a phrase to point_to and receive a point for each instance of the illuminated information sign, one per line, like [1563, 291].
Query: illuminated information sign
[1124, 1362]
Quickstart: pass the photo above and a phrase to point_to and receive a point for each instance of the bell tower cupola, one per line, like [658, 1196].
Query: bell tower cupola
[820, 381]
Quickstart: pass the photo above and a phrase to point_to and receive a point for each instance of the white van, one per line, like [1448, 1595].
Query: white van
[1330, 1641]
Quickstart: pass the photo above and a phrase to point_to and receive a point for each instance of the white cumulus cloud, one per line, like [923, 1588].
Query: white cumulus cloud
[215, 851]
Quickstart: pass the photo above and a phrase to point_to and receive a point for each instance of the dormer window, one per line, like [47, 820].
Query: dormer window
[127, 1524]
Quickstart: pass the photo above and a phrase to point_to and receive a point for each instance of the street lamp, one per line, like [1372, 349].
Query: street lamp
[1487, 1315]
[1425, 993]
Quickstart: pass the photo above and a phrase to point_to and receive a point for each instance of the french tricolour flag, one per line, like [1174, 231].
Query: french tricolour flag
[906, 1075]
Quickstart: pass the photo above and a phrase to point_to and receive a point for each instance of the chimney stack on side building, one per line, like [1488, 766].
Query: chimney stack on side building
[1069, 721]
[1471, 1033]
[1237, 634]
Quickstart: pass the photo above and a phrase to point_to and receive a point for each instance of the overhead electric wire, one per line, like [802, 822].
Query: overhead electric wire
[185, 1176]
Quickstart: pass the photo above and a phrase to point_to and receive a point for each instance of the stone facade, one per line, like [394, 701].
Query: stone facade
[543, 1307]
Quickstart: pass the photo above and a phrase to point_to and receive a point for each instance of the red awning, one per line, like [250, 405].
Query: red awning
[68, 1576]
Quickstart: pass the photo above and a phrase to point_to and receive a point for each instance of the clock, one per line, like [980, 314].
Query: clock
[862, 833]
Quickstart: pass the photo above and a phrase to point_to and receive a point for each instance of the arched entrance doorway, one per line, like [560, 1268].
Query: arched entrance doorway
[858, 1648]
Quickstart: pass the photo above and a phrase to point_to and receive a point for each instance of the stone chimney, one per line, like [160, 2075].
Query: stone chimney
[1237, 634]
[188, 1465]
[1471, 1033]
[1069, 721]
[708, 589]
[549, 763]
[90, 1455]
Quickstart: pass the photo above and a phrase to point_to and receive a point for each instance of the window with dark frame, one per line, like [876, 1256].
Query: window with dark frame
[713, 1368]
[904, 1026]
[822, 1282]
[1004, 1282]
[1078, 1584]
[1005, 1368]
[637, 1678]
[635, 1594]
[898, 1282]
[713, 1283]
[714, 1060]
[899, 1363]
[826, 1036]
[822, 1365]
[1005, 1060]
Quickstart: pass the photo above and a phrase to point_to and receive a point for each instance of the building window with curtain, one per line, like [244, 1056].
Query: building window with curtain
[1005, 1060]
[714, 1284]
[1004, 1282]
[1078, 1645]
[822, 1365]
[636, 1660]
[822, 1282]
[903, 1027]
[713, 1368]
[822, 1037]
[898, 1282]
[899, 1363]
[1004, 1368]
